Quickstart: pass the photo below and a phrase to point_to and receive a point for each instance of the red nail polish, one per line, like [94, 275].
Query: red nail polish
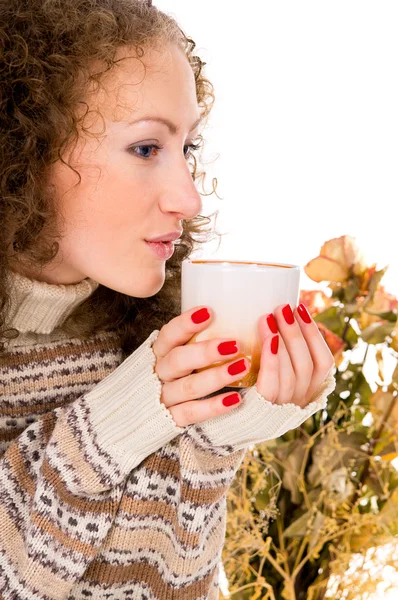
[304, 314]
[275, 344]
[231, 399]
[227, 348]
[237, 367]
[288, 314]
[200, 316]
[272, 323]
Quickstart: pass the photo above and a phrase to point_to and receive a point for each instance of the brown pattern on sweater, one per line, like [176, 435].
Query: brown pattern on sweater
[157, 532]
[102, 495]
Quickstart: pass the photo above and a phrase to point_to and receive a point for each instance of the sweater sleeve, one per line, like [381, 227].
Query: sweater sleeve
[255, 420]
[62, 479]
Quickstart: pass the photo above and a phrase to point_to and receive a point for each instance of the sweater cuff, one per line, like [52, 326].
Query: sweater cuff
[256, 420]
[126, 414]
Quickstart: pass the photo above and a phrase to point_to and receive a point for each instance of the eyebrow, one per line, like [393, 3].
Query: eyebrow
[174, 129]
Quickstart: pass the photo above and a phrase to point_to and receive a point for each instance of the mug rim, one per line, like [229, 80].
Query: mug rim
[238, 263]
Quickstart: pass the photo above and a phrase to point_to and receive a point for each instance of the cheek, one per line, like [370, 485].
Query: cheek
[115, 205]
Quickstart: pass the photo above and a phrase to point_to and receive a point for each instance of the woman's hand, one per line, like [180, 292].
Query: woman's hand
[183, 390]
[295, 359]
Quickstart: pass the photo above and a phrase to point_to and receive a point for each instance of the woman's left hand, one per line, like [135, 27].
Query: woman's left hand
[295, 359]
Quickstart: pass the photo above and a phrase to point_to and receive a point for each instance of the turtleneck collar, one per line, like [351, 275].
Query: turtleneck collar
[40, 307]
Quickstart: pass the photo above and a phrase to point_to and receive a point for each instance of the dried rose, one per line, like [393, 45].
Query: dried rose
[337, 258]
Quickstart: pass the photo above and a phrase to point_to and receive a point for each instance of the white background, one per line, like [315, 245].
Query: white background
[303, 137]
[305, 128]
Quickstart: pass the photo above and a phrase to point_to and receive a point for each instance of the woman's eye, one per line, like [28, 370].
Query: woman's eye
[145, 150]
[189, 148]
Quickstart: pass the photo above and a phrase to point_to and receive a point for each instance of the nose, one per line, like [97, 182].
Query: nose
[179, 194]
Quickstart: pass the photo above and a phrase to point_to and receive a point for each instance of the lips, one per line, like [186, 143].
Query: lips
[163, 250]
[166, 237]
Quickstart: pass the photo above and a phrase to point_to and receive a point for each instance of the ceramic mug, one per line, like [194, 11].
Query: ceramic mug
[238, 293]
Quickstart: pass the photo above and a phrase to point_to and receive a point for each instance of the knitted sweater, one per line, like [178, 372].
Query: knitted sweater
[102, 495]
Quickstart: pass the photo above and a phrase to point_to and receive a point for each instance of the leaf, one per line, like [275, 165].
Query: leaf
[351, 291]
[376, 333]
[380, 363]
[332, 319]
[389, 457]
[362, 389]
[313, 494]
[389, 513]
[351, 308]
[390, 315]
[352, 380]
[299, 527]
[325, 457]
[352, 440]
[373, 483]
[373, 285]
[351, 336]
[380, 404]
[334, 342]
[316, 529]
[292, 467]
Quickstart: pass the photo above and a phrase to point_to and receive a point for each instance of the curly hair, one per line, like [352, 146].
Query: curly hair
[46, 49]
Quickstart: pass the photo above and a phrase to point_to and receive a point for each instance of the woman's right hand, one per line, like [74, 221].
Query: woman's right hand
[183, 391]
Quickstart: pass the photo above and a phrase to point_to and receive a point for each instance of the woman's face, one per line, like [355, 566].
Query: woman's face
[136, 182]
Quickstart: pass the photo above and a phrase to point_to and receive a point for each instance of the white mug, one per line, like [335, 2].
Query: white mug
[238, 293]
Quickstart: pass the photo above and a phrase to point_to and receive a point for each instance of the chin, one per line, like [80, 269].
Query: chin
[151, 291]
[147, 289]
[135, 282]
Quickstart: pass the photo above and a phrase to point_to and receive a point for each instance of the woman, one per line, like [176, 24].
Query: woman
[115, 466]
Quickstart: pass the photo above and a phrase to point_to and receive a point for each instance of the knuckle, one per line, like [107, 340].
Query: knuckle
[165, 332]
[326, 364]
[189, 413]
[308, 371]
[180, 417]
[272, 395]
[174, 359]
[175, 417]
[290, 386]
[187, 387]
[211, 353]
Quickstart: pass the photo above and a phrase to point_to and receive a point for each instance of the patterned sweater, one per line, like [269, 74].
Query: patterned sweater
[102, 495]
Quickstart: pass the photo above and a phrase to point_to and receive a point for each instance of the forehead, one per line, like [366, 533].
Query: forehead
[161, 81]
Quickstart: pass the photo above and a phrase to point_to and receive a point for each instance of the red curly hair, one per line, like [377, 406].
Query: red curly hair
[46, 49]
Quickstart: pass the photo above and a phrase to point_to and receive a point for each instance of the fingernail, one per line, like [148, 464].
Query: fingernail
[304, 314]
[275, 344]
[231, 399]
[227, 348]
[200, 316]
[272, 323]
[237, 367]
[288, 314]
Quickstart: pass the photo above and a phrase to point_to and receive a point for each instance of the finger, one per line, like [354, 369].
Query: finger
[204, 383]
[197, 411]
[322, 358]
[287, 377]
[297, 349]
[267, 326]
[180, 330]
[181, 361]
[268, 377]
